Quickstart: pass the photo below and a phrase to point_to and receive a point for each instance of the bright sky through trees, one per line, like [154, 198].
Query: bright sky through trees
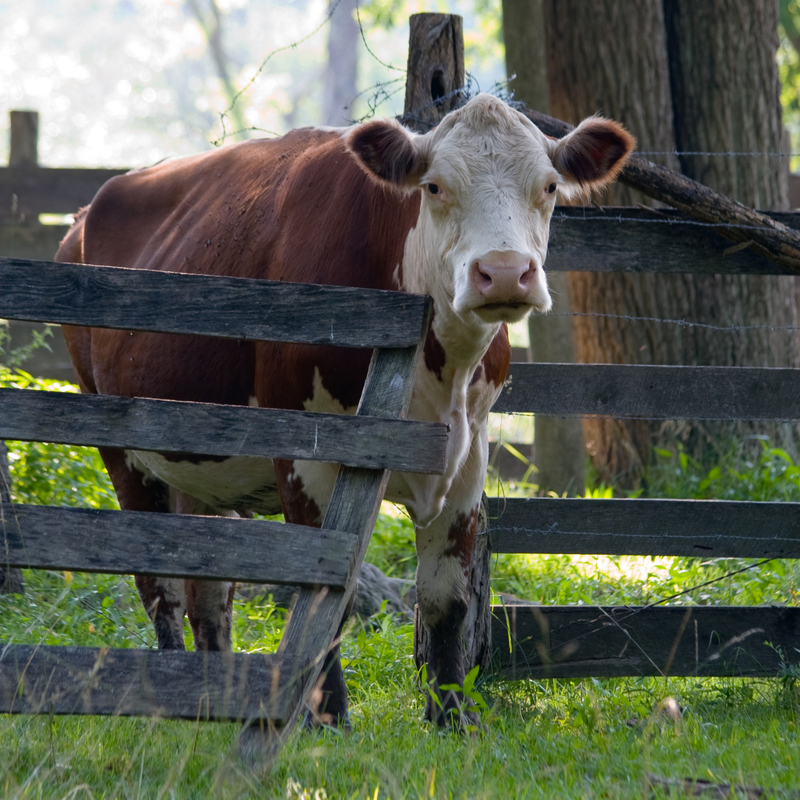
[128, 82]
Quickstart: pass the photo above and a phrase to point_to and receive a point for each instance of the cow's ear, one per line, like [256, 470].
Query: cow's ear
[593, 154]
[388, 151]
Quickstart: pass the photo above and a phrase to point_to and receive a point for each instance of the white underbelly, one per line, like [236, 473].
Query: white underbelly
[239, 482]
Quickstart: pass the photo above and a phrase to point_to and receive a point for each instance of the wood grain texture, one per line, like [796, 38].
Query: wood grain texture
[178, 545]
[205, 428]
[606, 642]
[660, 392]
[705, 528]
[132, 299]
[623, 239]
[42, 190]
[435, 69]
[168, 683]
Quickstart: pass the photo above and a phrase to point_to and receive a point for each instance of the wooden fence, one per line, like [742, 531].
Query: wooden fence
[582, 641]
[323, 562]
[676, 640]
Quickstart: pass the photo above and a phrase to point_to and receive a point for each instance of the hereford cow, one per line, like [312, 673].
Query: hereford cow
[461, 213]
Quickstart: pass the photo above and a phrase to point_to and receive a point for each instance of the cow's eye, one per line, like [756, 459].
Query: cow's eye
[433, 188]
[551, 188]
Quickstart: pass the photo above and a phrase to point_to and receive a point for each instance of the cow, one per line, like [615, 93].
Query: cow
[461, 213]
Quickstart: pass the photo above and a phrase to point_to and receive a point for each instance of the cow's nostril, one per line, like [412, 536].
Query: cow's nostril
[482, 275]
[527, 277]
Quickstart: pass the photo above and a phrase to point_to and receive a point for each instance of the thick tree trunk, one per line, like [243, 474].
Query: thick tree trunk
[612, 56]
[559, 448]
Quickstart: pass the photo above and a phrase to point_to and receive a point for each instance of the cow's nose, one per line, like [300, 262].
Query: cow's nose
[503, 280]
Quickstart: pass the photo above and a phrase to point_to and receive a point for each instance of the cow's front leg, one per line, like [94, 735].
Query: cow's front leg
[444, 554]
[306, 488]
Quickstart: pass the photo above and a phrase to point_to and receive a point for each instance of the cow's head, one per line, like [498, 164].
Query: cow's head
[489, 180]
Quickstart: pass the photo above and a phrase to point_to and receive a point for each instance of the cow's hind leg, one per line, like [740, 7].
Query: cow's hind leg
[209, 603]
[164, 599]
[210, 608]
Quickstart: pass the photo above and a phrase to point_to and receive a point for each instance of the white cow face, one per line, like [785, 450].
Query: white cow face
[489, 179]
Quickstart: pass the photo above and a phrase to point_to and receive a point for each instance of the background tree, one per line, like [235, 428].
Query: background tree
[698, 77]
[342, 72]
[559, 448]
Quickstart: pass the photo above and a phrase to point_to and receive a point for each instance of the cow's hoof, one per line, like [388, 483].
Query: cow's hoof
[454, 716]
[340, 723]
[257, 745]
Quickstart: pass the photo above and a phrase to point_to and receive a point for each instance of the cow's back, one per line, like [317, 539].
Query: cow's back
[298, 208]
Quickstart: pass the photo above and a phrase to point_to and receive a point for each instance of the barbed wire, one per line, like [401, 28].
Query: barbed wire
[680, 322]
[369, 49]
[719, 153]
[561, 217]
[223, 115]
[645, 418]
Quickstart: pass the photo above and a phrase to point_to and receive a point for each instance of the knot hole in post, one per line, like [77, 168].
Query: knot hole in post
[438, 84]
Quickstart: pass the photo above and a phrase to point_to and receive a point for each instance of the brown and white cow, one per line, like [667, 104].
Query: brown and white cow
[461, 213]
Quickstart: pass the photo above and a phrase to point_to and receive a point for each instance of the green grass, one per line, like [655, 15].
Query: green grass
[542, 739]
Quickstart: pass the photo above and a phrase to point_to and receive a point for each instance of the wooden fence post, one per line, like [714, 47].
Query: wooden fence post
[435, 69]
[10, 578]
[435, 76]
[23, 146]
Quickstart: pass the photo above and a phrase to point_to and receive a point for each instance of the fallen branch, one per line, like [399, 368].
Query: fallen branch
[743, 225]
[697, 787]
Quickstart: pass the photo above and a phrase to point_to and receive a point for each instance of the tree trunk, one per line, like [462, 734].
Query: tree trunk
[726, 99]
[611, 56]
[340, 77]
[559, 447]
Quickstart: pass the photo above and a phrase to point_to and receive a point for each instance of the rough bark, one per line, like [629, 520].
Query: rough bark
[612, 57]
[559, 448]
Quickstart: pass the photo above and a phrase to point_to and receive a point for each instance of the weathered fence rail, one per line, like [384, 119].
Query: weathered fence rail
[323, 562]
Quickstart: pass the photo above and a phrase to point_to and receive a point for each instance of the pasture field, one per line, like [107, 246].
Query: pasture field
[548, 739]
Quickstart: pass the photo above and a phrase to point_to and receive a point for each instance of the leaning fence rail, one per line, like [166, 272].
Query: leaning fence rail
[323, 562]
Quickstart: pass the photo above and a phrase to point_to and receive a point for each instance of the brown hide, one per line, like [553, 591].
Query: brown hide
[298, 208]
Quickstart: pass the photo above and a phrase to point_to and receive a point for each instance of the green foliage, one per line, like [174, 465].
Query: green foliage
[741, 473]
[13, 357]
[789, 72]
[54, 474]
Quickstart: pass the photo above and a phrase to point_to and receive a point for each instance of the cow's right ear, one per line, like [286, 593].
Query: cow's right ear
[388, 151]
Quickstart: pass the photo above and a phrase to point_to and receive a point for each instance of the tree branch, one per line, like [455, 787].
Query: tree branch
[742, 224]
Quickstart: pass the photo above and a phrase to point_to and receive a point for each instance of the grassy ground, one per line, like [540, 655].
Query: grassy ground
[549, 739]
[542, 738]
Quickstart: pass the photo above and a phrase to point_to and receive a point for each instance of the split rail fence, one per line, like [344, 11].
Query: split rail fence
[323, 562]
[583, 641]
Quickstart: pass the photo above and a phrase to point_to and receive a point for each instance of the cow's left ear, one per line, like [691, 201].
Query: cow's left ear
[593, 154]
[388, 151]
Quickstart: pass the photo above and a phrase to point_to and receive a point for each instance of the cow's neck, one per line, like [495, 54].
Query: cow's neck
[455, 345]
